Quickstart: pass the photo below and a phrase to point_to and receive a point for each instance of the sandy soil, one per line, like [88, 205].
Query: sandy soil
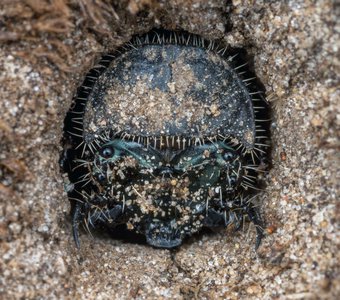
[46, 47]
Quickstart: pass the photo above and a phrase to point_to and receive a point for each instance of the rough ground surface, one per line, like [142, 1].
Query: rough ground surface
[47, 47]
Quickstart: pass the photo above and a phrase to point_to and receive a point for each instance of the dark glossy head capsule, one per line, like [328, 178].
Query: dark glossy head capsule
[107, 152]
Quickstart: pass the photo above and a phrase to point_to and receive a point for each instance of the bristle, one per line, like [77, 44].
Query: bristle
[249, 79]
[255, 93]
[74, 134]
[188, 40]
[241, 66]
[231, 58]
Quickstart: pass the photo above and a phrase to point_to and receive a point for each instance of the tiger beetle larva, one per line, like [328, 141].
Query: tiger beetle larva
[165, 137]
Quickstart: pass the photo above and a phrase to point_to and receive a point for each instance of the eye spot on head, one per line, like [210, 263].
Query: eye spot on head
[101, 177]
[228, 156]
[107, 152]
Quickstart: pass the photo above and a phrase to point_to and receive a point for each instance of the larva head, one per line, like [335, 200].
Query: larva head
[164, 139]
[170, 90]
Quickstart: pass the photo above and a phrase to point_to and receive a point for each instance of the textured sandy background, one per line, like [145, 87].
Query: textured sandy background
[46, 47]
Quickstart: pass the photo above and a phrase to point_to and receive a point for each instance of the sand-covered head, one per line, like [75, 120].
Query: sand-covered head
[170, 90]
